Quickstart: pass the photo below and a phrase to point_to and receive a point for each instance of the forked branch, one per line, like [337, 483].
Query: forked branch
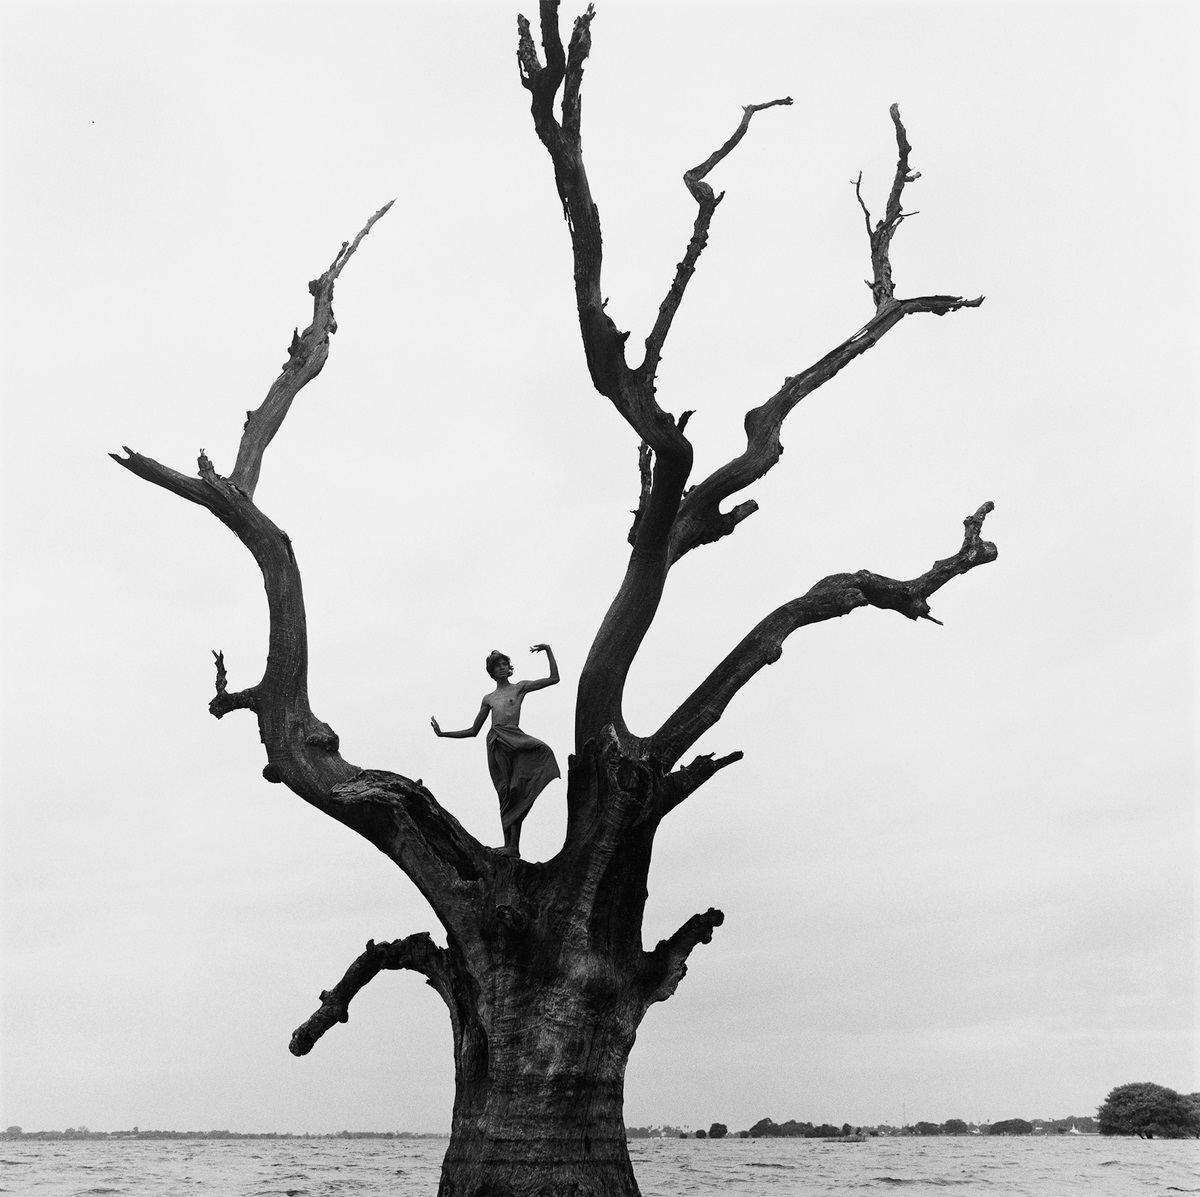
[603, 344]
[631, 392]
[665, 459]
[417, 952]
[700, 519]
[397, 815]
[302, 751]
[883, 288]
[223, 702]
[831, 597]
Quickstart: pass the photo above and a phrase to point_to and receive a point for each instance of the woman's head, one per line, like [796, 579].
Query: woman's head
[494, 660]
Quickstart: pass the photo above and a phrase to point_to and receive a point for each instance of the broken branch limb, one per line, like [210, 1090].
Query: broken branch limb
[417, 952]
[686, 781]
[833, 596]
[307, 355]
[667, 964]
[645, 479]
[223, 702]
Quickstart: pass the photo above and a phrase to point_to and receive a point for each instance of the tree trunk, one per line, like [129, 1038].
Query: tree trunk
[538, 1102]
[546, 1002]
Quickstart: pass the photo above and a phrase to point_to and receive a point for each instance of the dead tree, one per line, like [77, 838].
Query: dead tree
[544, 973]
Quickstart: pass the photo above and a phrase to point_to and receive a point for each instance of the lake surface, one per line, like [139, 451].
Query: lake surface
[994, 1167]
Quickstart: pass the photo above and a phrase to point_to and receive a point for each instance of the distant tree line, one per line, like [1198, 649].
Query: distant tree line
[767, 1128]
[1144, 1109]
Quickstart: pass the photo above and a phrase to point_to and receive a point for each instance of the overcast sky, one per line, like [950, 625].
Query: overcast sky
[956, 863]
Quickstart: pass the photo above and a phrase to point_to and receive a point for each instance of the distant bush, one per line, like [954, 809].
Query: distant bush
[791, 1129]
[1149, 1111]
[718, 1130]
[764, 1126]
[1012, 1126]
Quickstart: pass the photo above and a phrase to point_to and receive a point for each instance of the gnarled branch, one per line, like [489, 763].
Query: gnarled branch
[399, 816]
[665, 460]
[301, 750]
[417, 952]
[831, 597]
[700, 519]
[666, 966]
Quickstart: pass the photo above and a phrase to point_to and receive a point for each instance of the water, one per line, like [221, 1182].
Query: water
[993, 1167]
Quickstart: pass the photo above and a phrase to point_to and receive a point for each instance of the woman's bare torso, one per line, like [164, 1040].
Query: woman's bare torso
[505, 704]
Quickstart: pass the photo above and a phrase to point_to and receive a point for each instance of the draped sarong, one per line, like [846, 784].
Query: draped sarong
[521, 768]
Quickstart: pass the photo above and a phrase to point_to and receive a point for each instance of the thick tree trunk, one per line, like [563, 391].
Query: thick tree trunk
[546, 1000]
[538, 1103]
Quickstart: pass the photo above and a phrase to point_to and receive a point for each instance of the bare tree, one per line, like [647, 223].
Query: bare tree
[544, 973]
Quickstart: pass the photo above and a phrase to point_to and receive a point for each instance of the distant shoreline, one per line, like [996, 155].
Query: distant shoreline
[635, 1134]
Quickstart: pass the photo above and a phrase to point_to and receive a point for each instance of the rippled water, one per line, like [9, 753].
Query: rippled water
[995, 1167]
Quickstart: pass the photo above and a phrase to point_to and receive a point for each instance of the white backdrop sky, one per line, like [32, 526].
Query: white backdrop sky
[957, 863]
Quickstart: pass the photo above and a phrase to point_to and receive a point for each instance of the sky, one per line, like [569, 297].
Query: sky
[957, 863]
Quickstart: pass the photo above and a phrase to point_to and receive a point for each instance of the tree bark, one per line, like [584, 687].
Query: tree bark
[540, 1054]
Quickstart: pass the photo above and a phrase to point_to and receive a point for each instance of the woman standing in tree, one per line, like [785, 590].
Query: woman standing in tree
[521, 765]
